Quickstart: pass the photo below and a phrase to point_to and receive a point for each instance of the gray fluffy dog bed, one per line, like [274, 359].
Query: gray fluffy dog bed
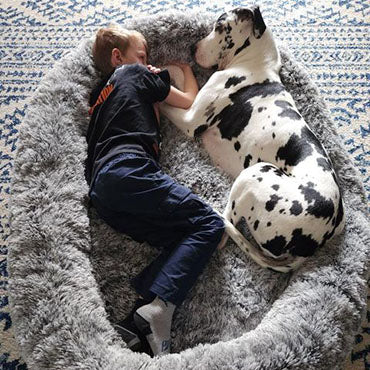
[69, 271]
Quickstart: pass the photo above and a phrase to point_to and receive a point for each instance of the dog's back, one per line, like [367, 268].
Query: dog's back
[285, 186]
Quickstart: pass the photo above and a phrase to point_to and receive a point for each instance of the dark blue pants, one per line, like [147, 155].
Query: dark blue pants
[135, 197]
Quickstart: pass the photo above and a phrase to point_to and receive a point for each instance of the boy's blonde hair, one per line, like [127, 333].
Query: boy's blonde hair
[109, 38]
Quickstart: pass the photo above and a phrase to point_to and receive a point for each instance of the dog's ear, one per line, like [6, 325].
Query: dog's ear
[259, 25]
[254, 14]
[243, 14]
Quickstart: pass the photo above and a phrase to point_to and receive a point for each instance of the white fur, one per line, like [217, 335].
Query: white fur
[258, 62]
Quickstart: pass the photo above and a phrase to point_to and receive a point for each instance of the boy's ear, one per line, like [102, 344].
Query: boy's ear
[116, 57]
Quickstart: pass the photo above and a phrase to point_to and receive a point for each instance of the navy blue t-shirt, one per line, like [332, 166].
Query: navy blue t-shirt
[123, 117]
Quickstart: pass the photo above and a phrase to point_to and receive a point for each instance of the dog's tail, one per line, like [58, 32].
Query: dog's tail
[286, 264]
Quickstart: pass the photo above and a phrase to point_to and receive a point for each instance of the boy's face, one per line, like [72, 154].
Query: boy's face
[135, 53]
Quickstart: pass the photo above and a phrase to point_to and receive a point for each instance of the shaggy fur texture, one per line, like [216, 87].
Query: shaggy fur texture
[69, 271]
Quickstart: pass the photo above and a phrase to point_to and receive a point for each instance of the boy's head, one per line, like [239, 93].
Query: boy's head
[115, 46]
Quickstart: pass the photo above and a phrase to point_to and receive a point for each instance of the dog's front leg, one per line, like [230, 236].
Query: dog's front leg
[194, 121]
[182, 118]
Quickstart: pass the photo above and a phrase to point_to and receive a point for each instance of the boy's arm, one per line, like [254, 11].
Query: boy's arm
[184, 99]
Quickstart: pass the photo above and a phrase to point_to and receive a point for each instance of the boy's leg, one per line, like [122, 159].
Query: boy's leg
[176, 271]
[179, 271]
[134, 196]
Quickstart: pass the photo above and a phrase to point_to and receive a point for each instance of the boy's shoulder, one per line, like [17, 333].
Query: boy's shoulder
[130, 69]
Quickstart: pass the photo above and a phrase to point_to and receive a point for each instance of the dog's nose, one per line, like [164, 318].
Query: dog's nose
[193, 50]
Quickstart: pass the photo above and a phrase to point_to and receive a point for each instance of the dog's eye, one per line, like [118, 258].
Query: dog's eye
[219, 27]
[221, 18]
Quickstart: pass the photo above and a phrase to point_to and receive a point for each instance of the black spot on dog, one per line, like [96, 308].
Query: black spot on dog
[294, 151]
[282, 210]
[310, 137]
[233, 204]
[273, 135]
[340, 213]
[270, 204]
[275, 187]
[302, 245]
[219, 28]
[259, 160]
[200, 130]
[230, 45]
[266, 168]
[242, 14]
[255, 226]
[323, 162]
[210, 117]
[268, 224]
[247, 160]
[287, 110]
[318, 205]
[276, 245]
[274, 123]
[283, 104]
[235, 117]
[252, 208]
[237, 146]
[278, 172]
[296, 208]
[233, 81]
[260, 109]
[210, 110]
[259, 179]
[245, 45]
[336, 222]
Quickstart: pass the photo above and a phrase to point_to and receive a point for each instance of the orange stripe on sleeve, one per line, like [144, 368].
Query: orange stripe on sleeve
[102, 97]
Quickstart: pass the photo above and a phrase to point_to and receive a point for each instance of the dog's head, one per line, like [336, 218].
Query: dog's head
[232, 34]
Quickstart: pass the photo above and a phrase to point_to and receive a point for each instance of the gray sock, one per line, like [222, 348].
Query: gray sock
[154, 321]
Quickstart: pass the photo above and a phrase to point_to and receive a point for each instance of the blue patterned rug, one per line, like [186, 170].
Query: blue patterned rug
[330, 38]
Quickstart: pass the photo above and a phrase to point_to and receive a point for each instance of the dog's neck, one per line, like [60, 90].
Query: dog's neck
[260, 54]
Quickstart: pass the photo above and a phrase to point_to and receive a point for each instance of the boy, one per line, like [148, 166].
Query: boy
[132, 194]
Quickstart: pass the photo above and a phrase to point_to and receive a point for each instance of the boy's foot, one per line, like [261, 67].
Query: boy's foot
[129, 337]
[130, 334]
[154, 322]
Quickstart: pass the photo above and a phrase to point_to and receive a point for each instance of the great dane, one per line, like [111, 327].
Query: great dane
[285, 186]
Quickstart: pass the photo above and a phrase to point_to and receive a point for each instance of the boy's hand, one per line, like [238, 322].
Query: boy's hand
[153, 69]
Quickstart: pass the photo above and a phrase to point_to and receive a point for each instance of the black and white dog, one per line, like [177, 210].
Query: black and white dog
[285, 186]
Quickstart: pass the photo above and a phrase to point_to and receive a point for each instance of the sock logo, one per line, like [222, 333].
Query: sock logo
[165, 345]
